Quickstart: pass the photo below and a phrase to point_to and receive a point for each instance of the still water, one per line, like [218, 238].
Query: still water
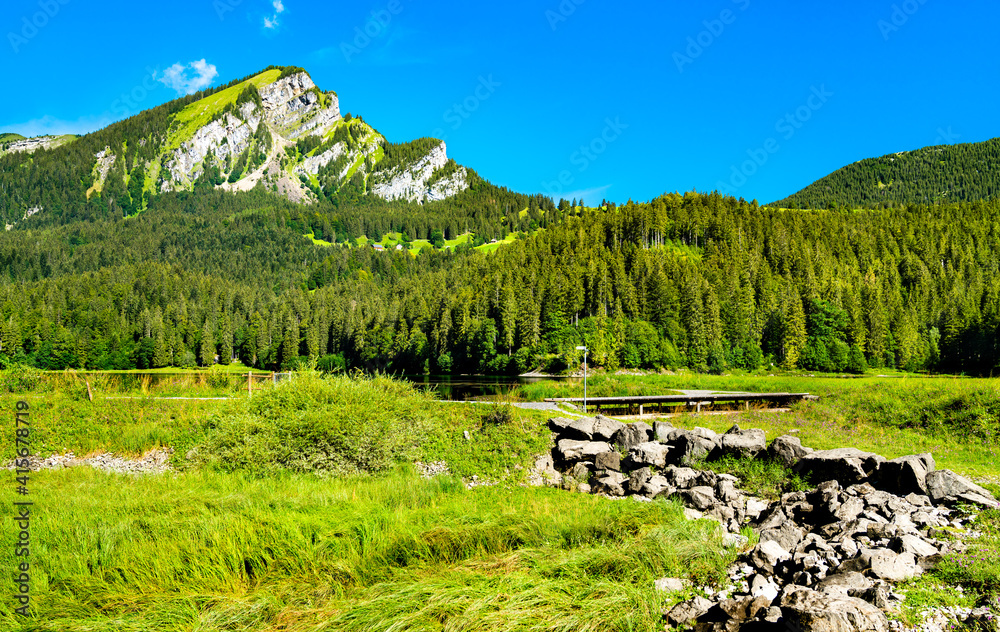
[473, 387]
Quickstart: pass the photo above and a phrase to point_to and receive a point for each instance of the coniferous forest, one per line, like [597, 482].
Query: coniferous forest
[932, 175]
[700, 281]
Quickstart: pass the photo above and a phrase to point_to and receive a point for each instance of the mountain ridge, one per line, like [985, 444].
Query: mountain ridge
[966, 172]
[275, 129]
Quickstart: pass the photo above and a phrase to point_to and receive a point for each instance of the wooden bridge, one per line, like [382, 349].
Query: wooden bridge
[689, 402]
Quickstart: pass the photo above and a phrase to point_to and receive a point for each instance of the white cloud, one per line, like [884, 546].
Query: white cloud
[191, 78]
[272, 22]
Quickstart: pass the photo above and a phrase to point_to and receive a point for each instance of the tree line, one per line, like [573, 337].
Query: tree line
[701, 281]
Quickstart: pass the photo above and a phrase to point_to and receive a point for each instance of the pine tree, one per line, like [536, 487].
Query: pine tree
[795, 336]
[290, 344]
[206, 351]
[225, 341]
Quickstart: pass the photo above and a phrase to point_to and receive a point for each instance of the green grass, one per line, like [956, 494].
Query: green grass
[506, 241]
[464, 238]
[127, 418]
[10, 138]
[966, 580]
[212, 551]
[269, 533]
[760, 477]
[318, 242]
[198, 114]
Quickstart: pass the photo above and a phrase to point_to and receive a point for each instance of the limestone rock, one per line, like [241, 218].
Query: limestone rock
[767, 555]
[605, 429]
[811, 611]
[788, 450]
[650, 453]
[846, 465]
[410, 181]
[741, 443]
[701, 498]
[633, 434]
[662, 431]
[907, 474]
[559, 424]
[580, 429]
[944, 486]
[689, 611]
[844, 582]
[570, 450]
[688, 447]
[608, 461]
[611, 484]
[670, 585]
[885, 564]
[914, 545]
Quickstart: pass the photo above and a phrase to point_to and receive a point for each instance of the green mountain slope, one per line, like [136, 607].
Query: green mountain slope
[947, 173]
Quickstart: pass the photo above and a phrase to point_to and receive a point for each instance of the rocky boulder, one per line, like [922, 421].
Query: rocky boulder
[649, 453]
[570, 450]
[662, 430]
[605, 429]
[788, 450]
[845, 465]
[907, 474]
[580, 430]
[740, 443]
[633, 434]
[608, 461]
[688, 447]
[945, 486]
[811, 611]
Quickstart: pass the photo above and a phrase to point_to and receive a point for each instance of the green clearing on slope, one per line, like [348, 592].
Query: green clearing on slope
[198, 114]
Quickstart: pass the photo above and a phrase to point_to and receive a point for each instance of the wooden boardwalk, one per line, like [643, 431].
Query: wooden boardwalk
[695, 402]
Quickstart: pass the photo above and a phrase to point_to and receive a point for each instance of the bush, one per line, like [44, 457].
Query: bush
[332, 363]
[326, 425]
[499, 414]
[20, 378]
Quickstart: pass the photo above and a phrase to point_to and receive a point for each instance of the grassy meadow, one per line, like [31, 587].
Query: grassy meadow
[300, 510]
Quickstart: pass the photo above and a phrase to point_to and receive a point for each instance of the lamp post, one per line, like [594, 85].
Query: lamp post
[585, 351]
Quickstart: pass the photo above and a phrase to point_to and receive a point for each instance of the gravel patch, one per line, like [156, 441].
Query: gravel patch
[153, 462]
[430, 470]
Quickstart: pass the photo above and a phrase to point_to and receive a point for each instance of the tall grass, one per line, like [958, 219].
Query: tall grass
[215, 551]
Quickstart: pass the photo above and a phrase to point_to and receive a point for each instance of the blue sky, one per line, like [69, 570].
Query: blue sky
[574, 98]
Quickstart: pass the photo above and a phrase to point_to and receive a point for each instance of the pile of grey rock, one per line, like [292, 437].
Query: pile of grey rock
[826, 559]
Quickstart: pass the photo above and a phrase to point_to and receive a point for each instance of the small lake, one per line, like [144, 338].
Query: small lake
[472, 387]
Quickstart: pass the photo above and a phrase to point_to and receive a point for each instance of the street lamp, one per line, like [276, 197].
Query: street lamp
[585, 351]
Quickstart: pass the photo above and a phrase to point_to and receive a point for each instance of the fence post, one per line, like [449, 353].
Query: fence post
[250, 384]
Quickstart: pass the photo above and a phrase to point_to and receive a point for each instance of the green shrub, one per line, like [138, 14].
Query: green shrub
[20, 378]
[325, 425]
